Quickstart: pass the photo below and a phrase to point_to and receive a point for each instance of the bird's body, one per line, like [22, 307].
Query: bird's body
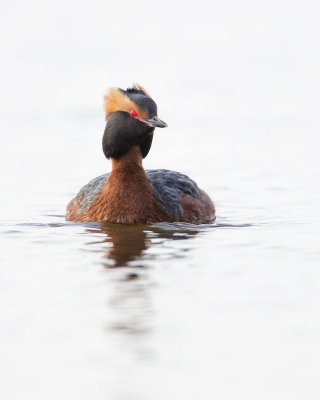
[129, 194]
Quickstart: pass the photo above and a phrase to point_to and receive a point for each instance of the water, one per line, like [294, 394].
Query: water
[167, 311]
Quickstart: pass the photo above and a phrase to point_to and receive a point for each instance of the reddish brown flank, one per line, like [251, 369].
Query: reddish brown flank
[73, 209]
[198, 211]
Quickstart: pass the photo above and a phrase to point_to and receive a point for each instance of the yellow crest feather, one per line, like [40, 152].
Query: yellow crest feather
[117, 100]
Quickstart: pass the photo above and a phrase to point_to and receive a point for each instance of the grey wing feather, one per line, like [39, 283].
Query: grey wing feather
[89, 192]
[170, 186]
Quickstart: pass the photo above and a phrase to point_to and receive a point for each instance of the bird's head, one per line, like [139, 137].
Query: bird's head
[131, 118]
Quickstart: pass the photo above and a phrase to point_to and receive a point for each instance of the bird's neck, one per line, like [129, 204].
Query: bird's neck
[128, 195]
[128, 187]
[131, 162]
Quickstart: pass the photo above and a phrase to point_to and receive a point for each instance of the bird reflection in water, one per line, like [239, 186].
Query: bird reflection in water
[129, 243]
[128, 251]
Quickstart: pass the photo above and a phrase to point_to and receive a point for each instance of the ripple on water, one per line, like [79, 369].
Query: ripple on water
[121, 245]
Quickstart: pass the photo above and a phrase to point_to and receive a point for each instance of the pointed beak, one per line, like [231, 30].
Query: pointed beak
[156, 122]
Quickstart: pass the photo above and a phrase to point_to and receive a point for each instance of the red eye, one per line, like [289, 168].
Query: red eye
[133, 113]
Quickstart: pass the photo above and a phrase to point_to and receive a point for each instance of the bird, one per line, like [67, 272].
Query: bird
[129, 194]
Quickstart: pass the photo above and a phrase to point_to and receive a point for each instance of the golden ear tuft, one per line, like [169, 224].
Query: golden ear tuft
[116, 100]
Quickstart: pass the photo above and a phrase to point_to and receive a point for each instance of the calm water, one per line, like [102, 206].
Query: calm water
[168, 311]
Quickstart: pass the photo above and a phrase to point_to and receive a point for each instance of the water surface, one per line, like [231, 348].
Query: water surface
[168, 310]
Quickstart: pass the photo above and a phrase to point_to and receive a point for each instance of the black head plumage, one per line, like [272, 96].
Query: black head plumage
[123, 132]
